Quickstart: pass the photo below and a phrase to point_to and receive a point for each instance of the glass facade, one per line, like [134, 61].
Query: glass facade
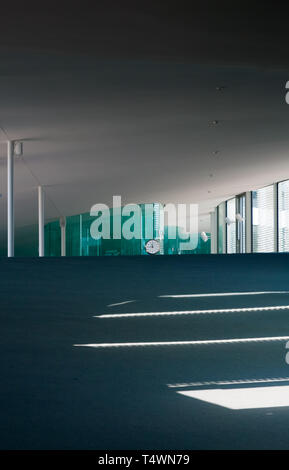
[240, 224]
[221, 228]
[231, 228]
[263, 219]
[283, 216]
[256, 221]
[231, 225]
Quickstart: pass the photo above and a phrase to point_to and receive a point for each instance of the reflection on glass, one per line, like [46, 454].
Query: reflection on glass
[263, 219]
[221, 227]
[231, 226]
[283, 216]
[241, 228]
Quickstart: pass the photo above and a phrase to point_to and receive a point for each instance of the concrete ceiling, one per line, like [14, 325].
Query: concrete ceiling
[121, 102]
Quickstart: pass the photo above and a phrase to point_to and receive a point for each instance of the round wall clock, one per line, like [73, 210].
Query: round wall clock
[152, 247]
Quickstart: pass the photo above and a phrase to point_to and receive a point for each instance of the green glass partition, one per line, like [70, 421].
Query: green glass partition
[79, 241]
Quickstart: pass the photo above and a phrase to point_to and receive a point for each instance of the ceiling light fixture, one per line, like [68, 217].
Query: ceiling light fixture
[240, 218]
[229, 221]
[204, 237]
[18, 148]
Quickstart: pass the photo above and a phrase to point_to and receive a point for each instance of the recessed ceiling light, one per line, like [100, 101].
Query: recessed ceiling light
[215, 122]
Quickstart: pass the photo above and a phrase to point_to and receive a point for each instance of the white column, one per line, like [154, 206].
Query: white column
[275, 208]
[80, 235]
[248, 221]
[62, 223]
[10, 199]
[41, 220]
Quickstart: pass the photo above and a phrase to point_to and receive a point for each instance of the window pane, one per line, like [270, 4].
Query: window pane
[221, 226]
[241, 227]
[231, 226]
[263, 220]
[283, 216]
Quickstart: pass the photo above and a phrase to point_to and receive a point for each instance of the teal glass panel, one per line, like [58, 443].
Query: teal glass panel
[79, 241]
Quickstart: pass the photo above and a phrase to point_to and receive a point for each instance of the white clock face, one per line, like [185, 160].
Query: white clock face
[152, 247]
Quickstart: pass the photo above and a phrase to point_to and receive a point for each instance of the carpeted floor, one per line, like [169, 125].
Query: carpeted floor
[56, 395]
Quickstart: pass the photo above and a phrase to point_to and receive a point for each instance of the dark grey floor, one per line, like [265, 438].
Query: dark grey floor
[54, 395]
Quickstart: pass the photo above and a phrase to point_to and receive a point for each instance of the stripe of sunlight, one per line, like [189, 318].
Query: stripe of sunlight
[184, 343]
[243, 398]
[224, 294]
[229, 382]
[121, 303]
[193, 312]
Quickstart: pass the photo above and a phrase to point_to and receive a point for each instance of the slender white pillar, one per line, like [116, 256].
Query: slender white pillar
[248, 221]
[10, 199]
[62, 223]
[80, 235]
[275, 214]
[41, 220]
